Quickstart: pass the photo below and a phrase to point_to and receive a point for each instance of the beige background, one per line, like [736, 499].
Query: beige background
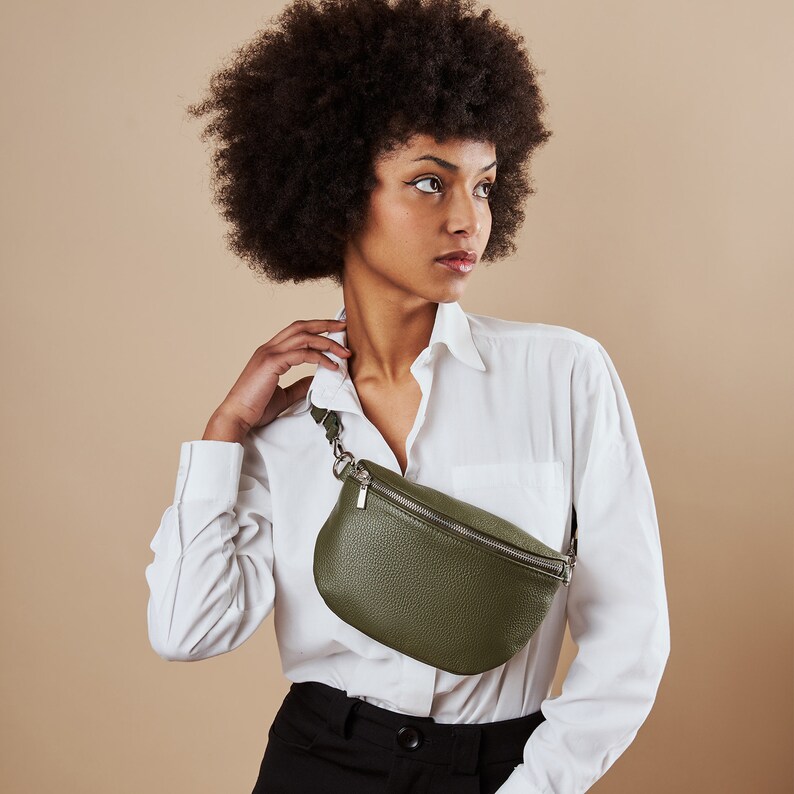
[661, 226]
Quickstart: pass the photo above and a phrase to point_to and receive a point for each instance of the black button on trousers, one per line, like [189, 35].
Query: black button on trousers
[323, 741]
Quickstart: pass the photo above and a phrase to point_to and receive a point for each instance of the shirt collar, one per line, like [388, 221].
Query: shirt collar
[451, 328]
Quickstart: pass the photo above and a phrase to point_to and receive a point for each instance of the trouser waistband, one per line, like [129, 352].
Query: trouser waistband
[462, 746]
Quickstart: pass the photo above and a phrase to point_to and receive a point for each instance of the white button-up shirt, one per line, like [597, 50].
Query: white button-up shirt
[521, 419]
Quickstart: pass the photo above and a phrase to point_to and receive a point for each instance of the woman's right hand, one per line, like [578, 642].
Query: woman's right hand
[256, 399]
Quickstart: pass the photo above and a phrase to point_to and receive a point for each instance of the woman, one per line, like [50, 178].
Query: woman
[384, 144]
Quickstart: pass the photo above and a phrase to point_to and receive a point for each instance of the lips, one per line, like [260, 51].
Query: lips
[459, 261]
[458, 255]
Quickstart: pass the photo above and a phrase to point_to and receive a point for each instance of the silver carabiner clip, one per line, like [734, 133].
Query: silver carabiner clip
[341, 459]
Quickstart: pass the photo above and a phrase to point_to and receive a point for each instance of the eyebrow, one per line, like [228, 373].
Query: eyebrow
[450, 166]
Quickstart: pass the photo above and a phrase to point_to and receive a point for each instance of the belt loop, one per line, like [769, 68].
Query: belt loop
[465, 749]
[339, 709]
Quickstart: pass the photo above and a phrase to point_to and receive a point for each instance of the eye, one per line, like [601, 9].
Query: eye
[488, 185]
[417, 182]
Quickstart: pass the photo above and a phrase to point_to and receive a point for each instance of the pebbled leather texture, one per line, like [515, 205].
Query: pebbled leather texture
[425, 591]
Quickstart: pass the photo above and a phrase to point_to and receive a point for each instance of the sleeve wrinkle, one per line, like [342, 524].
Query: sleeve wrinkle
[616, 603]
[213, 594]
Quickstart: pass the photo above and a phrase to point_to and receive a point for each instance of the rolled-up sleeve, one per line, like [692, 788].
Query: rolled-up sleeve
[616, 603]
[211, 581]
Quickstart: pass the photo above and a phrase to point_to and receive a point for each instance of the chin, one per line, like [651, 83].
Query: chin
[450, 294]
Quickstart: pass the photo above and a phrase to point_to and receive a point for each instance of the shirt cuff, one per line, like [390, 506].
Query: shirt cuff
[209, 470]
[517, 783]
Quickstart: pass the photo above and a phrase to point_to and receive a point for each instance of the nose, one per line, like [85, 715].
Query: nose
[465, 215]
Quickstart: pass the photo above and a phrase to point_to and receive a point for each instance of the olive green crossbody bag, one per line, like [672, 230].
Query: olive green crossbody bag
[435, 578]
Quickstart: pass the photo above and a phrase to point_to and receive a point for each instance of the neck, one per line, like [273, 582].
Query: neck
[385, 334]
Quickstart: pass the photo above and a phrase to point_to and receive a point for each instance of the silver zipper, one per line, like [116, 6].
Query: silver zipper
[558, 569]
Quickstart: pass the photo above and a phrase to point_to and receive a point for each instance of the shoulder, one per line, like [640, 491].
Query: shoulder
[500, 331]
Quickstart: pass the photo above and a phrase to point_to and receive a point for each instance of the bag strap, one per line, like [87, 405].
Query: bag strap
[330, 421]
[574, 545]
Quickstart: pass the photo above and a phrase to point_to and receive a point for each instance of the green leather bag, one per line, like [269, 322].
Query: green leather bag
[433, 577]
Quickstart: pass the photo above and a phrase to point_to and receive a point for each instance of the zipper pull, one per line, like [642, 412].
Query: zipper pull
[362, 496]
[363, 477]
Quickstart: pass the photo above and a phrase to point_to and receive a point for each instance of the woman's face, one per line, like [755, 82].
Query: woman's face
[430, 199]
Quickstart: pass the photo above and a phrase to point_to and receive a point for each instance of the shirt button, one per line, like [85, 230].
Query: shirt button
[409, 738]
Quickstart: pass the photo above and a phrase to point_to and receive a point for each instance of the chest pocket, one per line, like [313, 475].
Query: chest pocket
[530, 494]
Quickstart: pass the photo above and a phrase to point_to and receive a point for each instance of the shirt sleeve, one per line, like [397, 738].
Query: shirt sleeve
[211, 581]
[616, 603]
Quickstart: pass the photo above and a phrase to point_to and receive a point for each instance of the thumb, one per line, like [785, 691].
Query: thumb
[298, 390]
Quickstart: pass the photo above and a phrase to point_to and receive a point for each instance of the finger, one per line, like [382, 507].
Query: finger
[312, 341]
[303, 355]
[312, 326]
[298, 390]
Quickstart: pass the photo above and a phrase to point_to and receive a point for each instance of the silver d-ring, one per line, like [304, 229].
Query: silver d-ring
[343, 458]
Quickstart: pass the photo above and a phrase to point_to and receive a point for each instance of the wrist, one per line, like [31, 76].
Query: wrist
[222, 427]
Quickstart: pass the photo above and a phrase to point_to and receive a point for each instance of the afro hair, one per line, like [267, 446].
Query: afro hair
[301, 113]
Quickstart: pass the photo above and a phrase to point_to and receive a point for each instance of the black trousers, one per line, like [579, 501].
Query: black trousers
[323, 741]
